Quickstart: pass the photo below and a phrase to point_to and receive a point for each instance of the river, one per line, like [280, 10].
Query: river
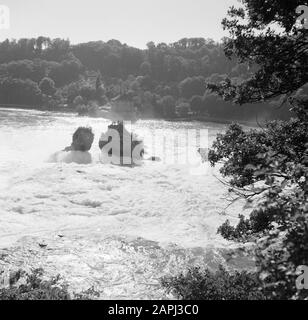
[117, 229]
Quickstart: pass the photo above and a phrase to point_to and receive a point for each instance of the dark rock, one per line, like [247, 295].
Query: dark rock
[82, 140]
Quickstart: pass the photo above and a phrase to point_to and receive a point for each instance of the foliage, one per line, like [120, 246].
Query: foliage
[32, 286]
[35, 288]
[91, 109]
[65, 72]
[197, 104]
[192, 86]
[183, 109]
[247, 229]
[102, 70]
[78, 101]
[281, 58]
[85, 89]
[25, 69]
[269, 166]
[47, 86]
[198, 284]
[168, 106]
[20, 92]
[89, 294]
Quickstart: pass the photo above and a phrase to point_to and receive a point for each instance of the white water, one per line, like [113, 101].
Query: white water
[118, 229]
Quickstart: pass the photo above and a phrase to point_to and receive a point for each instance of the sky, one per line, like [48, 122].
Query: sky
[135, 22]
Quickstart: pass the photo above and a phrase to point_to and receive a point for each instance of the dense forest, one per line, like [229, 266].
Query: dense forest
[164, 81]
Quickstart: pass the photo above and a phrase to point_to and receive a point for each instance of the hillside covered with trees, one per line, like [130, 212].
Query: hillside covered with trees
[164, 81]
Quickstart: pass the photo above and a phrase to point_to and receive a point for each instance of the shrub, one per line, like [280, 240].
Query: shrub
[17, 91]
[66, 71]
[168, 106]
[78, 101]
[275, 159]
[47, 86]
[247, 229]
[196, 104]
[227, 231]
[192, 86]
[81, 88]
[183, 109]
[35, 288]
[90, 110]
[198, 284]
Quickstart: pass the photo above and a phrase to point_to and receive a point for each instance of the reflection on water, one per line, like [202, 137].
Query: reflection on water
[121, 228]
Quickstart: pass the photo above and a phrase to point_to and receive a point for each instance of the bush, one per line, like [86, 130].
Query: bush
[88, 110]
[198, 284]
[78, 101]
[196, 104]
[247, 229]
[270, 166]
[227, 231]
[194, 86]
[47, 86]
[183, 109]
[168, 106]
[35, 288]
[66, 71]
[21, 92]
[81, 88]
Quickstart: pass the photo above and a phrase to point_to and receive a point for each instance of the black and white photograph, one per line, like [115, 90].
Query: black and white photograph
[154, 150]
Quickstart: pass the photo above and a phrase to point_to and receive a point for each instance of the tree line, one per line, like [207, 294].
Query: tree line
[165, 80]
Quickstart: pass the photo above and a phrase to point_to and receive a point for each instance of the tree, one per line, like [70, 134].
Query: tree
[272, 163]
[41, 44]
[168, 106]
[199, 284]
[78, 101]
[99, 82]
[25, 69]
[20, 92]
[196, 104]
[87, 91]
[192, 86]
[281, 59]
[65, 72]
[47, 86]
[57, 49]
[145, 68]
[183, 109]
[79, 88]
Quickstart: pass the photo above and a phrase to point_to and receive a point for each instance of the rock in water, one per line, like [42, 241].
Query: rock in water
[82, 139]
[121, 147]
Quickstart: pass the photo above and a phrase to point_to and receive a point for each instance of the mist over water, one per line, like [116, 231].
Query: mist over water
[116, 228]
